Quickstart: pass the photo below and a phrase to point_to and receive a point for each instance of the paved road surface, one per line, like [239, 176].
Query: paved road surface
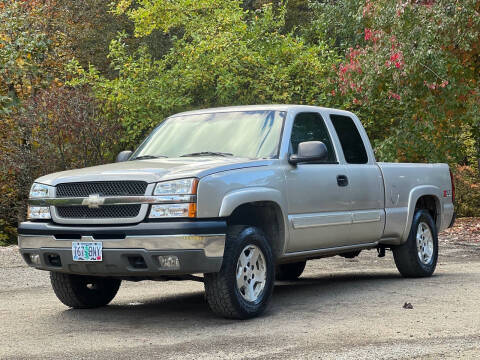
[339, 309]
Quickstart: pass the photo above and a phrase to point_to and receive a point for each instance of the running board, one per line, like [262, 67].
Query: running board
[328, 251]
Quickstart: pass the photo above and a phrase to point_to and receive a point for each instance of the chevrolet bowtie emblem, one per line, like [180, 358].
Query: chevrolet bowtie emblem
[93, 201]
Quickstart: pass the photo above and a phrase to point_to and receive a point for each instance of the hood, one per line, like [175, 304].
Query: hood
[152, 170]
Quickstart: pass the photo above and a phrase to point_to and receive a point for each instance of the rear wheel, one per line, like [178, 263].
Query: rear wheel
[243, 286]
[83, 292]
[290, 271]
[417, 257]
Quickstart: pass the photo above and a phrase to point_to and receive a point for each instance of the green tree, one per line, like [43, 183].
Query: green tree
[223, 55]
[90, 26]
[30, 55]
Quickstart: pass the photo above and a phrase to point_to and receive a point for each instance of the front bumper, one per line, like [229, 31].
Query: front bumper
[130, 250]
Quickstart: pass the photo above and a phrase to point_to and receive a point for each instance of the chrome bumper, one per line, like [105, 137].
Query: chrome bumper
[212, 244]
[199, 246]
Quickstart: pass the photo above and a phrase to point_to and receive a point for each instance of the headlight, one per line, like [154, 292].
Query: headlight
[176, 187]
[40, 191]
[182, 206]
[39, 213]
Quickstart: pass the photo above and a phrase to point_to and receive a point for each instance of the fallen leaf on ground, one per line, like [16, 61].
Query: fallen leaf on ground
[407, 305]
[464, 230]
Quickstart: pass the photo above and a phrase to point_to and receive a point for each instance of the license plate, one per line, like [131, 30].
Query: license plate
[87, 251]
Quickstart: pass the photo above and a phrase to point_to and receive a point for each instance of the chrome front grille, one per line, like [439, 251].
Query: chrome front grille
[76, 212]
[102, 188]
[102, 212]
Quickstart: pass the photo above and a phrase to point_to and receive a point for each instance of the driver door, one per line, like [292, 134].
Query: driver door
[318, 203]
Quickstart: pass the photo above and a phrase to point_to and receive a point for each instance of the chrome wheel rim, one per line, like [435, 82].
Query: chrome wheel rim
[424, 243]
[251, 273]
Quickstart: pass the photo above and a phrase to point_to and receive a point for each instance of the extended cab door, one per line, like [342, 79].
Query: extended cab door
[318, 202]
[365, 180]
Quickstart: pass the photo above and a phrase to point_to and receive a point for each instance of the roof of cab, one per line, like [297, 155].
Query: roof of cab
[278, 107]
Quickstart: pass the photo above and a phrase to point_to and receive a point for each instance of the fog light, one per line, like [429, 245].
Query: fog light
[39, 212]
[169, 261]
[35, 259]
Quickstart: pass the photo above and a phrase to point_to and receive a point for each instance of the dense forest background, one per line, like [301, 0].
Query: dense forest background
[80, 81]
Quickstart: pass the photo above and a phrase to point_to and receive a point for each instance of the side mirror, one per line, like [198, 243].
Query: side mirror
[124, 156]
[309, 151]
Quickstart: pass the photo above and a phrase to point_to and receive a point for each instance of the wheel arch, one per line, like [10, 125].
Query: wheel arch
[261, 207]
[423, 197]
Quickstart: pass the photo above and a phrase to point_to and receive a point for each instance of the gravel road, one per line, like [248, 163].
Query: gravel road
[339, 309]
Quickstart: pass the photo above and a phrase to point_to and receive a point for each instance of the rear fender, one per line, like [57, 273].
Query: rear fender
[415, 194]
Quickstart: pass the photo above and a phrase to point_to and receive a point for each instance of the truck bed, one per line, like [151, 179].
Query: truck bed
[404, 184]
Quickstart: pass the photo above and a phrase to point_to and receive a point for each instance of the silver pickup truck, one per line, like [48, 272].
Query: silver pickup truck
[243, 195]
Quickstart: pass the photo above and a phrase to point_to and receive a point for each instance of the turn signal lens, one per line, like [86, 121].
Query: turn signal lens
[173, 211]
[192, 210]
[38, 213]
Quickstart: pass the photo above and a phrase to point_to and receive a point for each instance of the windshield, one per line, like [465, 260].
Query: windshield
[249, 134]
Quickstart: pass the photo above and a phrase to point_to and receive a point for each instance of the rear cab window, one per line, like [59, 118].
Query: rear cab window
[350, 139]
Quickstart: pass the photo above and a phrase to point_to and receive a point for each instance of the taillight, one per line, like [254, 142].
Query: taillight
[453, 185]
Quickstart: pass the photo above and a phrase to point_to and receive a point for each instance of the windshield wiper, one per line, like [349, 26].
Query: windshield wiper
[207, 153]
[144, 157]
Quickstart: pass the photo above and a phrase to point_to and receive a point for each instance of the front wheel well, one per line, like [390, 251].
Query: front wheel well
[266, 215]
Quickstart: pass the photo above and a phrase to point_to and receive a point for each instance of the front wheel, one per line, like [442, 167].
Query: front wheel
[84, 292]
[243, 286]
[417, 257]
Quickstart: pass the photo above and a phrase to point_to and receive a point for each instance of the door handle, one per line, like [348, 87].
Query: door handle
[342, 180]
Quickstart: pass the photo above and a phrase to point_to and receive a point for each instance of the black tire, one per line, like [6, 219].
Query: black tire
[84, 292]
[406, 255]
[223, 296]
[290, 271]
